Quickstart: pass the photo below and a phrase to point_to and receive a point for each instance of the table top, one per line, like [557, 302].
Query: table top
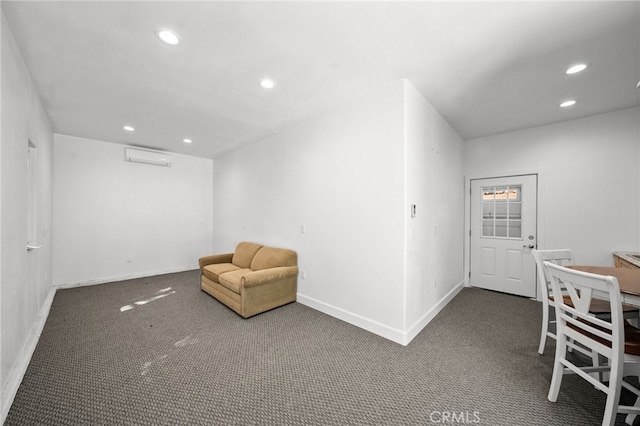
[628, 278]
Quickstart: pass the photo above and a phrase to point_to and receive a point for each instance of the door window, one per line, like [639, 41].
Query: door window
[502, 212]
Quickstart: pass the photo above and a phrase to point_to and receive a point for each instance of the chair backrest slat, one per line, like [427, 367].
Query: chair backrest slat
[591, 328]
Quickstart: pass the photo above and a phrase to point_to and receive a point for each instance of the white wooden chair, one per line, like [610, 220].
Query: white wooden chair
[565, 257]
[613, 337]
[560, 257]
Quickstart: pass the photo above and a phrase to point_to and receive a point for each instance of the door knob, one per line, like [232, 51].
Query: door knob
[531, 246]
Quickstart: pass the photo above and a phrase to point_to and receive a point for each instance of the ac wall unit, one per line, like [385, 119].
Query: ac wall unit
[147, 157]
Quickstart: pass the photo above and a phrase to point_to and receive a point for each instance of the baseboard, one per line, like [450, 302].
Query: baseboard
[19, 369]
[417, 327]
[126, 277]
[374, 327]
[393, 334]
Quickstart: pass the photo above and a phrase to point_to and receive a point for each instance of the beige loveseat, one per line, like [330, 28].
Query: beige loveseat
[251, 280]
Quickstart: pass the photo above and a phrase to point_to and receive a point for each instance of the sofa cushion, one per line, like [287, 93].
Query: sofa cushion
[214, 270]
[244, 253]
[271, 257]
[232, 280]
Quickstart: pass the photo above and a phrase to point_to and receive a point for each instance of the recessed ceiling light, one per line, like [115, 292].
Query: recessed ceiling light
[187, 140]
[568, 103]
[576, 68]
[167, 36]
[266, 83]
[128, 128]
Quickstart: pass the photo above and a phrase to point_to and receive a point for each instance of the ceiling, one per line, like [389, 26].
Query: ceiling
[487, 67]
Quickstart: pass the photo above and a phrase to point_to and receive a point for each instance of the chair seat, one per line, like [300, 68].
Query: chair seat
[599, 306]
[631, 337]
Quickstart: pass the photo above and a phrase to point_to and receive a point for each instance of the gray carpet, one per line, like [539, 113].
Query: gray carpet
[158, 351]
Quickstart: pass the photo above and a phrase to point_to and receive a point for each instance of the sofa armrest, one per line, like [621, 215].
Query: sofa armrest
[216, 258]
[256, 278]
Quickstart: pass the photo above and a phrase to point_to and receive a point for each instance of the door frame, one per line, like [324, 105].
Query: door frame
[541, 205]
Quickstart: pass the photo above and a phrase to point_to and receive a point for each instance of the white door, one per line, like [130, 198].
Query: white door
[503, 232]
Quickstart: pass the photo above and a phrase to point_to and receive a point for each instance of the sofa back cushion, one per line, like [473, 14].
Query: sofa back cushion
[244, 254]
[270, 257]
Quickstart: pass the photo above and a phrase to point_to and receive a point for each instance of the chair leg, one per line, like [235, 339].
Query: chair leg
[602, 376]
[545, 329]
[558, 370]
[613, 394]
[632, 417]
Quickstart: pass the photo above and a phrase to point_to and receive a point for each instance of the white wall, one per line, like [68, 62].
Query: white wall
[25, 288]
[589, 197]
[434, 182]
[108, 211]
[340, 175]
[347, 177]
